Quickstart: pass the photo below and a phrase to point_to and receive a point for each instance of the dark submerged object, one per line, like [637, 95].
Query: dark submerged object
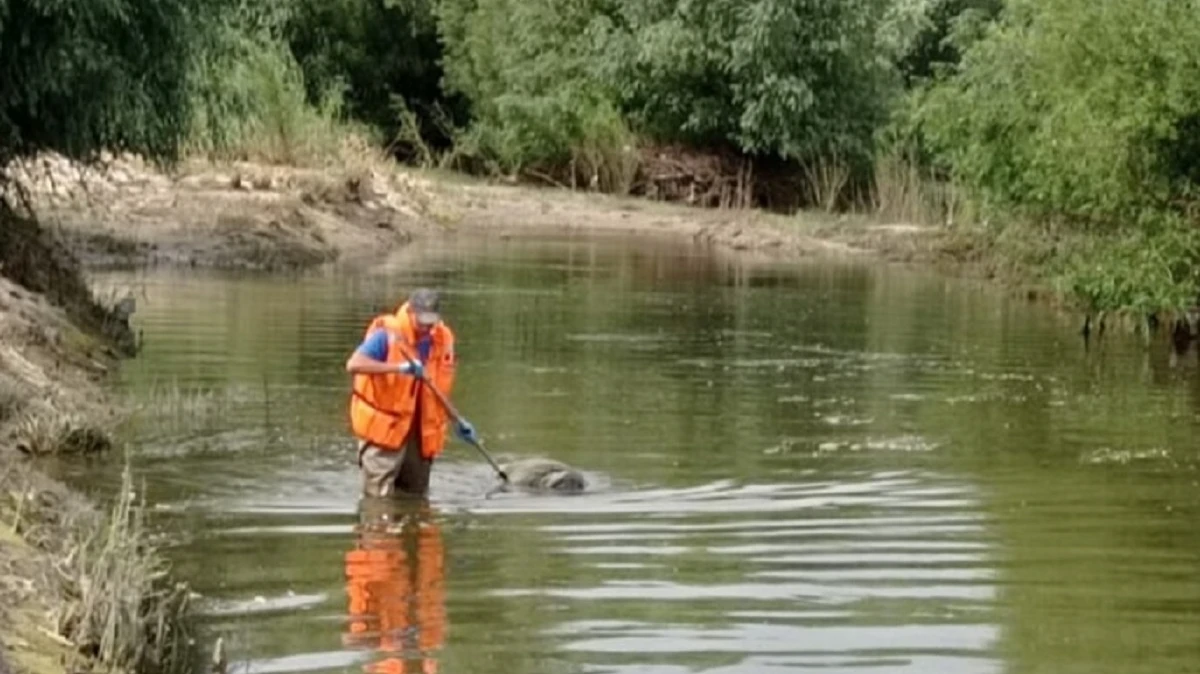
[546, 475]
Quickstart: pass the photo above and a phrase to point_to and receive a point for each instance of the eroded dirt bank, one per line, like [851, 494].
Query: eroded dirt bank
[81, 585]
[253, 216]
[245, 216]
[500, 210]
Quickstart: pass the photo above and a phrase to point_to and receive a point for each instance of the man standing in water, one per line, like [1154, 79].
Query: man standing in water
[400, 424]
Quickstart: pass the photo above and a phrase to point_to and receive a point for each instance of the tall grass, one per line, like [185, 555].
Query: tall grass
[604, 154]
[122, 609]
[897, 191]
[826, 178]
[902, 192]
[169, 409]
[12, 398]
[41, 430]
[104, 585]
[250, 104]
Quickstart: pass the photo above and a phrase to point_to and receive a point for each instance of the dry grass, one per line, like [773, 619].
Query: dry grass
[901, 193]
[92, 581]
[12, 399]
[171, 401]
[827, 178]
[80, 588]
[124, 612]
[607, 168]
[173, 409]
[43, 431]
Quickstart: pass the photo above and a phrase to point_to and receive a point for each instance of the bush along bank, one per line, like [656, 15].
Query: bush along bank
[1074, 124]
[83, 586]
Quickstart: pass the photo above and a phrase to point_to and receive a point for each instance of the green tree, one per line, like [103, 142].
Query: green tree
[249, 99]
[1076, 109]
[784, 77]
[947, 28]
[78, 76]
[788, 78]
[379, 51]
[1079, 115]
[529, 70]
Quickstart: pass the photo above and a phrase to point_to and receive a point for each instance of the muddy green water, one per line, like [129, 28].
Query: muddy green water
[808, 467]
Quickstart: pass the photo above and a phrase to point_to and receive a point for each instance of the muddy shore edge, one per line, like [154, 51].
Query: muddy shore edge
[54, 360]
[82, 586]
[249, 216]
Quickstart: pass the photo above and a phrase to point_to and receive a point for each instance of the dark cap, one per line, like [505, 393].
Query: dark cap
[424, 304]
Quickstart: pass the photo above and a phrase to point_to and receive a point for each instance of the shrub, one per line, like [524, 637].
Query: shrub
[1076, 110]
[250, 102]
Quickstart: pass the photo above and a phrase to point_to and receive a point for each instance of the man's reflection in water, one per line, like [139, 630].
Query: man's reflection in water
[395, 579]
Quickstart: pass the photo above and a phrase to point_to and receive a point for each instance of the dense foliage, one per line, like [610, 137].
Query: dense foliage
[1084, 115]
[385, 55]
[531, 74]
[1077, 108]
[81, 75]
[787, 78]
[1071, 121]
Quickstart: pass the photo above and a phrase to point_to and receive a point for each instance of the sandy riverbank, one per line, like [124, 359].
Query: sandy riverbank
[77, 591]
[252, 216]
[82, 587]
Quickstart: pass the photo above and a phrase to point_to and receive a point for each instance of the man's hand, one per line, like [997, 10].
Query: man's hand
[413, 368]
[466, 431]
[360, 363]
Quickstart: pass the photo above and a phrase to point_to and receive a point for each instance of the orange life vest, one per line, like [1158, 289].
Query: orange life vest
[382, 406]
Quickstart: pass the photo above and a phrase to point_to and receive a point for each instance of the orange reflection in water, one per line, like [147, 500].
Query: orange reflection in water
[395, 582]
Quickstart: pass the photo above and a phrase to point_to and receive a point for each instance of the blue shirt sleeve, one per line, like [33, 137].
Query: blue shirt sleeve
[375, 345]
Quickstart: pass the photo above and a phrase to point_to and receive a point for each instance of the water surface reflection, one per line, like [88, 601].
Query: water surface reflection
[827, 466]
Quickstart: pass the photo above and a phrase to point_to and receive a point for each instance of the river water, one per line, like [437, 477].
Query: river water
[815, 466]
